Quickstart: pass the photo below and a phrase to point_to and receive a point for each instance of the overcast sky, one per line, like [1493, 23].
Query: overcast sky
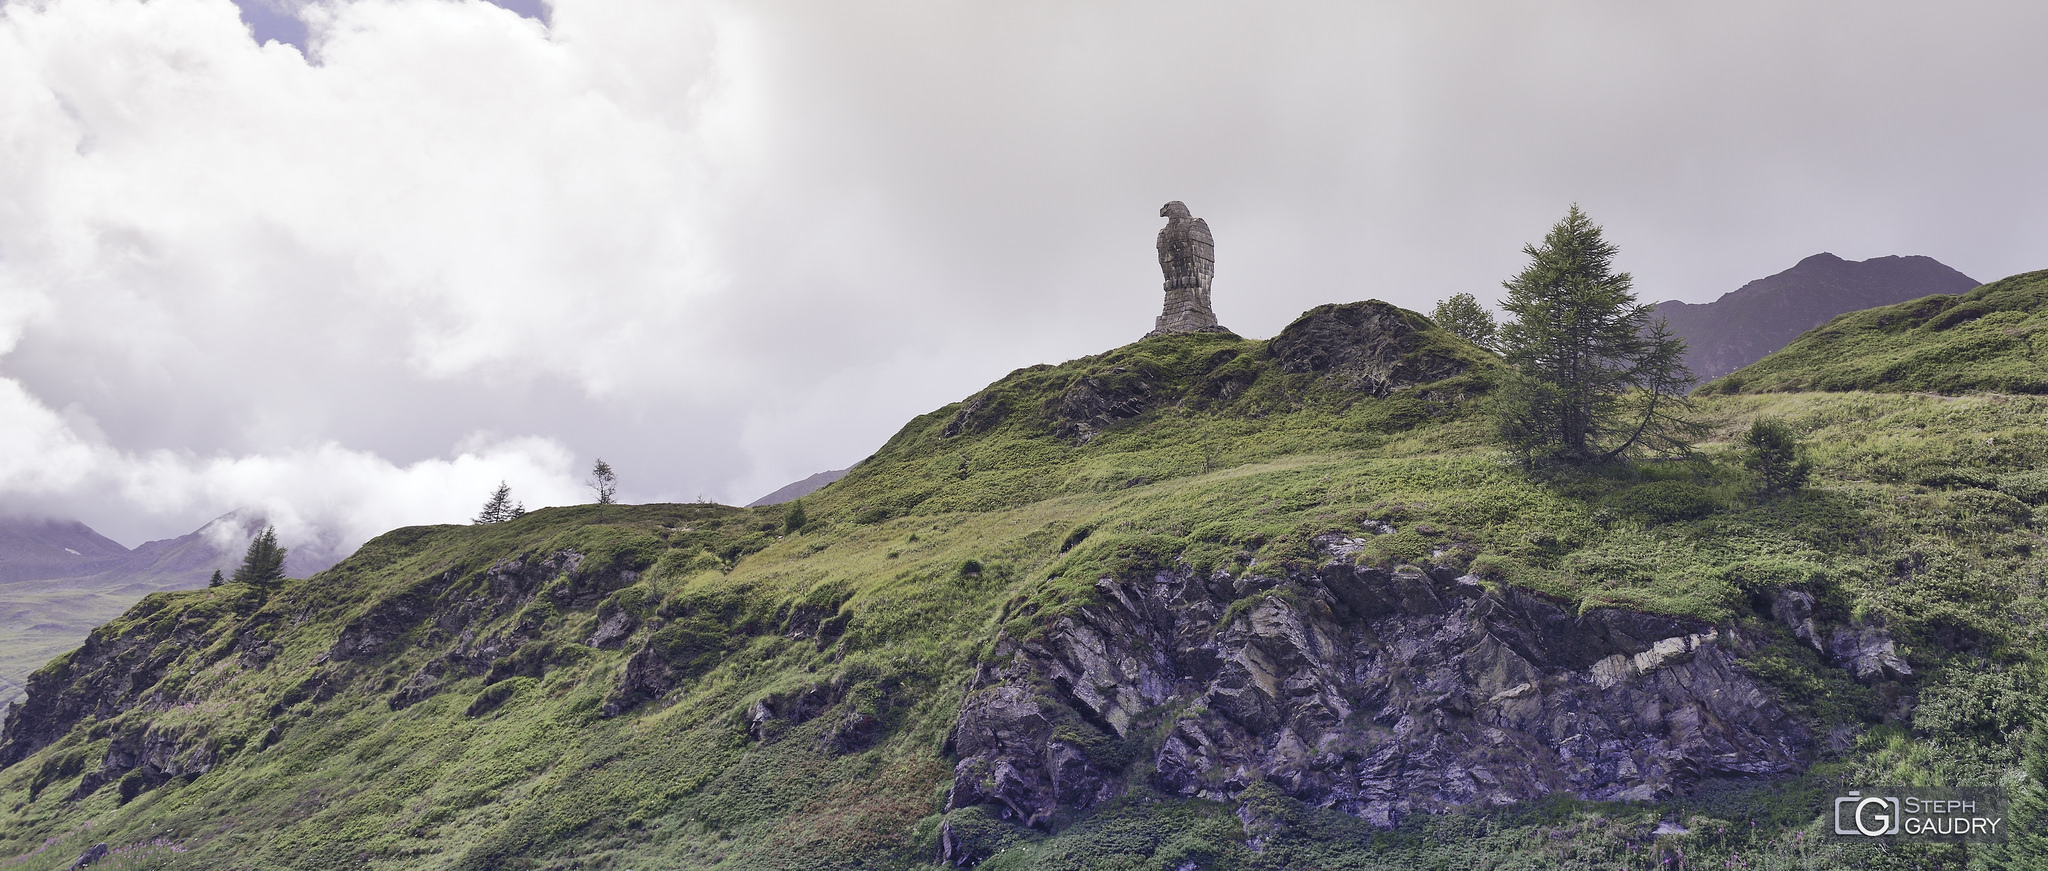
[352, 262]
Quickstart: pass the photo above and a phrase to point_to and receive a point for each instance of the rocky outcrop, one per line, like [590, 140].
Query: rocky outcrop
[670, 656]
[1381, 694]
[648, 675]
[1866, 651]
[503, 588]
[850, 726]
[560, 578]
[1100, 400]
[1370, 347]
[145, 759]
[92, 854]
[614, 623]
[118, 668]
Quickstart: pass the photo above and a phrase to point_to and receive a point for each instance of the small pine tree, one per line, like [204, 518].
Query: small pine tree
[1467, 319]
[1596, 378]
[263, 564]
[794, 519]
[216, 580]
[603, 481]
[1775, 456]
[498, 508]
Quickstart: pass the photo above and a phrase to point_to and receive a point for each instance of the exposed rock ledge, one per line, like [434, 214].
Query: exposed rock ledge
[1378, 694]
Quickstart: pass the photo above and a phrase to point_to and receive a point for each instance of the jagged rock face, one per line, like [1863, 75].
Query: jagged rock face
[1378, 694]
[93, 854]
[1365, 346]
[108, 674]
[1865, 651]
[150, 759]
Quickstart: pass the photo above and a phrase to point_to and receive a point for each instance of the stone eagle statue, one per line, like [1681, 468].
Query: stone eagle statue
[1187, 254]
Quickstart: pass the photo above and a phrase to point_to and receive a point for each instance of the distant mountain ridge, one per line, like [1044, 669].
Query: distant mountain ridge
[1981, 341]
[798, 490]
[39, 548]
[1766, 314]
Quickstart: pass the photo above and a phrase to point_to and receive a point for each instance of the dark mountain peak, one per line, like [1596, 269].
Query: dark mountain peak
[1764, 315]
[38, 547]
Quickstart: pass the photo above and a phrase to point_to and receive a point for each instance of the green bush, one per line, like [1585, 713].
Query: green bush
[1775, 455]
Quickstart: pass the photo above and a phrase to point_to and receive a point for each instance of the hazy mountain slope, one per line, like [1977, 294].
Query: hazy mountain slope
[1196, 600]
[55, 596]
[1762, 316]
[32, 548]
[1989, 339]
[798, 489]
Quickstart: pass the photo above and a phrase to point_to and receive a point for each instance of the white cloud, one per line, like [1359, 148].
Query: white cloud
[328, 492]
[475, 193]
[236, 260]
[39, 453]
[326, 497]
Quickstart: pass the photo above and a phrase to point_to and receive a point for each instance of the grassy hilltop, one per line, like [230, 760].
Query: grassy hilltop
[669, 686]
[1984, 340]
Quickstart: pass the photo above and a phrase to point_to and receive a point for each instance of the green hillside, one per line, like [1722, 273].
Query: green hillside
[42, 620]
[1989, 339]
[680, 686]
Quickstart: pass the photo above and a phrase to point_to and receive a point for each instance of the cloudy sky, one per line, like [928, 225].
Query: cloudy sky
[352, 262]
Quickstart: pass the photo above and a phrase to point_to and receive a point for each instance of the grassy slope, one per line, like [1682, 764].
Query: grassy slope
[1890, 531]
[1988, 339]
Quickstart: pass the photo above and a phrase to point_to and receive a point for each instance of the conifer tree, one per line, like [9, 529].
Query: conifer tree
[1466, 318]
[499, 507]
[603, 481]
[216, 580]
[1595, 378]
[263, 564]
